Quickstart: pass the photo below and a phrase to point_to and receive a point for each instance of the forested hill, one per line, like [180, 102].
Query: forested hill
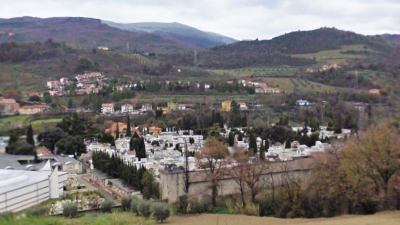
[82, 32]
[278, 51]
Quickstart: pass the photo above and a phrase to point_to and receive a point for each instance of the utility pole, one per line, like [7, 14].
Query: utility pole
[186, 168]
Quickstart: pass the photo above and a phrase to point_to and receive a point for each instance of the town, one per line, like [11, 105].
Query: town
[143, 112]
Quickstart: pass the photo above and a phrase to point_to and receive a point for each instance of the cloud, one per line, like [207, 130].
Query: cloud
[242, 19]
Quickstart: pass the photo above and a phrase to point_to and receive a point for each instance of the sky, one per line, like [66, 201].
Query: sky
[240, 19]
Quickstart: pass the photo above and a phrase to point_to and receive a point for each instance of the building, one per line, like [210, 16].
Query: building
[374, 91]
[146, 108]
[65, 81]
[67, 164]
[8, 106]
[172, 106]
[243, 106]
[154, 130]
[107, 108]
[33, 109]
[226, 106]
[127, 108]
[21, 189]
[302, 102]
[112, 127]
[53, 84]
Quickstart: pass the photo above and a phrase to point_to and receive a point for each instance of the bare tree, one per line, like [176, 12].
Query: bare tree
[238, 171]
[212, 158]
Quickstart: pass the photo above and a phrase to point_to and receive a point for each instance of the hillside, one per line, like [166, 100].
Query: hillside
[34, 63]
[179, 33]
[279, 50]
[391, 38]
[82, 32]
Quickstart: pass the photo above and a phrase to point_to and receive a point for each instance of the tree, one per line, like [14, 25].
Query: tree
[29, 135]
[374, 156]
[50, 137]
[137, 144]
[240, 159]
[70, 104]
[253, 143]
[117, 131]
[150, 189]
[231, 139]
[128, 127]
[84, 65]
[71, 145]
[76, 125]
[160, 211]
[212, 158]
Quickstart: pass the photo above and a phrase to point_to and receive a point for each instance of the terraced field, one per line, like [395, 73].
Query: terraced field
[338, 56]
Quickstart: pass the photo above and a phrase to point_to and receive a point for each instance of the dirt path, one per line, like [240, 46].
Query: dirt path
[385, 218]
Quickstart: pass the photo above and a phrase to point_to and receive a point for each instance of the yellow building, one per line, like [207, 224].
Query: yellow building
[226, 105]
[172, 106]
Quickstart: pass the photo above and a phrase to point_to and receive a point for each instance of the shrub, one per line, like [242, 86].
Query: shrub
[38, 211]
[106, 206]
[135, 205]
[266, 205]
[160, 212]
[126, 203]
[251, 209]
[182, 204]
[144, 208]
[70, 209]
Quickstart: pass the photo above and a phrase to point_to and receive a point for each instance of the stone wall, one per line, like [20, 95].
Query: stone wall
[172, 183]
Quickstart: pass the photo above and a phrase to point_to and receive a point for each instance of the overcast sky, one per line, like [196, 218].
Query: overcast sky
[241, 19]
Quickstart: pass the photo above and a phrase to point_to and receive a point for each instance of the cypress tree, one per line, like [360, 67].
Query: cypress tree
[231, 139]
[128, 126]
[29, 135]
[117, 131]
[253, 143]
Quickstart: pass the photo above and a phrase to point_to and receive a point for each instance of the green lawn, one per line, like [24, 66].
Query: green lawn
[38, 125]
[115, 218]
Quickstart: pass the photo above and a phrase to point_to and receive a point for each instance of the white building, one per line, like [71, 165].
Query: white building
[146, 108]
[126, 108]
[21, 189]
[107, 108]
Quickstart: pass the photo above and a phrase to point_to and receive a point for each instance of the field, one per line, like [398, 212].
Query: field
[257, 71]
[385, 218]
[87, 219]
[38, 125]
[123, 218]
[335, 56]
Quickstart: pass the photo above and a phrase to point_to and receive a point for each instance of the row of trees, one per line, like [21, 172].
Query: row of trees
[138, 178]
[21, 146]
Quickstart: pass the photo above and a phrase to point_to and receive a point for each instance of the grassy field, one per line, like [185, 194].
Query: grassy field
[385, 218]
[126, 218]
[257, 71]
[38, 125]
[335, 56]
[195, 98]
[117, 218]
[290, 85]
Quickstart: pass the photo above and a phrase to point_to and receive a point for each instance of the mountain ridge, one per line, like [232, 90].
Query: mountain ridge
[188, 36]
